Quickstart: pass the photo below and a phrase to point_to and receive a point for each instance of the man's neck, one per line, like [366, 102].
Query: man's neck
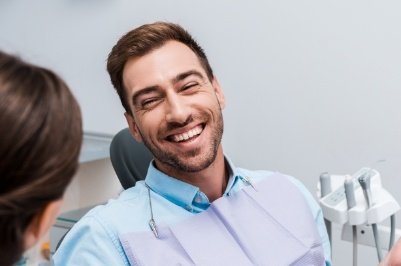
[212, 181]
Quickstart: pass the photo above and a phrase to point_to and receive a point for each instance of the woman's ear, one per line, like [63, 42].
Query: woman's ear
[41, 223]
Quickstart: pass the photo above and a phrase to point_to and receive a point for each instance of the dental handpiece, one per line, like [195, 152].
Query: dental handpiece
[351, 202]
[325, 189]
[349, 192]
[364, 181]
[325, 184]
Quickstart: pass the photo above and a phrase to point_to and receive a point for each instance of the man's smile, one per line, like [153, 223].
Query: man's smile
[189, 134]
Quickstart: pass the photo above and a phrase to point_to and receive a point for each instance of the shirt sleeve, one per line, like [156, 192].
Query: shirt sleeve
[90, 242]
[318, 217]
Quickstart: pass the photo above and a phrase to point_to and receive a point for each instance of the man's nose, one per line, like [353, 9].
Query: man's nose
[177, 110]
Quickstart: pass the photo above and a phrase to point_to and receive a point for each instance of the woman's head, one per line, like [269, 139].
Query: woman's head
[40, 140]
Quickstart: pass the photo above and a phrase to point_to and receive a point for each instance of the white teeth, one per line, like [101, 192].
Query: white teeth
[187, 135]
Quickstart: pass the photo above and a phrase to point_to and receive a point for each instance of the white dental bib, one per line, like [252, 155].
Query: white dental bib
[270, 224]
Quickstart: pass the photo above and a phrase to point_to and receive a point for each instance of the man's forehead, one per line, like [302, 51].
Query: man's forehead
[160, 65]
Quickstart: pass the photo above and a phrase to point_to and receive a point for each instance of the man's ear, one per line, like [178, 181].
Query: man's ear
[133, 128]
[41, 223]
[219, 93]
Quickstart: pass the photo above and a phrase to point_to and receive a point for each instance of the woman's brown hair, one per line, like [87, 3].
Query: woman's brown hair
[40, 140]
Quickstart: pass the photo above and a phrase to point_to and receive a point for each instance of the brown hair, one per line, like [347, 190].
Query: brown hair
[40, 140]
[141, 41]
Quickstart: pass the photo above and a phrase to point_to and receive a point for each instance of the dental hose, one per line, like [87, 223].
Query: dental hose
[392, 233]
[351, 202]
[364, 181]
[325, 188]
[377, 242]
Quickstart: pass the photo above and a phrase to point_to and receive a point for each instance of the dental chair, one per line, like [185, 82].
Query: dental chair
[130, 159]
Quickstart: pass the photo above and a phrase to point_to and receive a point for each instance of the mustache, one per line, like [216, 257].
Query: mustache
[175, 125]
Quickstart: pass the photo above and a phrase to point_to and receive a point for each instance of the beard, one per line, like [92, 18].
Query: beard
[194, 160]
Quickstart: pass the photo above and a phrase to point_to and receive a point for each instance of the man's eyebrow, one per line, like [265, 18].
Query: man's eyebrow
[143, 91]
[186, 74]
[156, 88]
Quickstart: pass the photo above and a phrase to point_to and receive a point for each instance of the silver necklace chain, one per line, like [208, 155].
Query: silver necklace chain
[152, 223]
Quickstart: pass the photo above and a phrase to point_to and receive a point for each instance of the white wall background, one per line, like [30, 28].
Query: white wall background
[311, 86]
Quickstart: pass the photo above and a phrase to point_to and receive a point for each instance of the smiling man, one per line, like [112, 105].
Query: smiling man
[176, 111]
[194, 207]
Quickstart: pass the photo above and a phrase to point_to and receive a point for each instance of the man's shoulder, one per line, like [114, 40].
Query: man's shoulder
[97, 232]
[116, 216]
[129, 212]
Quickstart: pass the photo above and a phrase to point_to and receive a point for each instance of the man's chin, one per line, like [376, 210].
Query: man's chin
[194, 164]
[191, 161]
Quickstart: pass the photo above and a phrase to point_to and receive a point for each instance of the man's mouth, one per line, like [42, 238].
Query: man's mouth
[192, 133]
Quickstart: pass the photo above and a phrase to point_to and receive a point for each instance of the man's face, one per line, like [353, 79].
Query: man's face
[176, 109]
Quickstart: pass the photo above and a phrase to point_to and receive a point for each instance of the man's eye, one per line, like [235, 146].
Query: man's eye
[190, 86]
[148, 103]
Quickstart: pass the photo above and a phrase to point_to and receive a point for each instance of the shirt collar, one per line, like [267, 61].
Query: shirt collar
[233, 175]
[181, 193]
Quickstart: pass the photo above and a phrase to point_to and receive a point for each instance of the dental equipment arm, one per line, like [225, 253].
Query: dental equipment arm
[350, 196]
[364, 181]
[359, 208]
[325, 188]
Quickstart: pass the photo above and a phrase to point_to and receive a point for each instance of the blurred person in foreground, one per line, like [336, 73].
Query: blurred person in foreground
[40, 140]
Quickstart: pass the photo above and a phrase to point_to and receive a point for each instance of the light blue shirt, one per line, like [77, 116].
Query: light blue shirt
[94, 240]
